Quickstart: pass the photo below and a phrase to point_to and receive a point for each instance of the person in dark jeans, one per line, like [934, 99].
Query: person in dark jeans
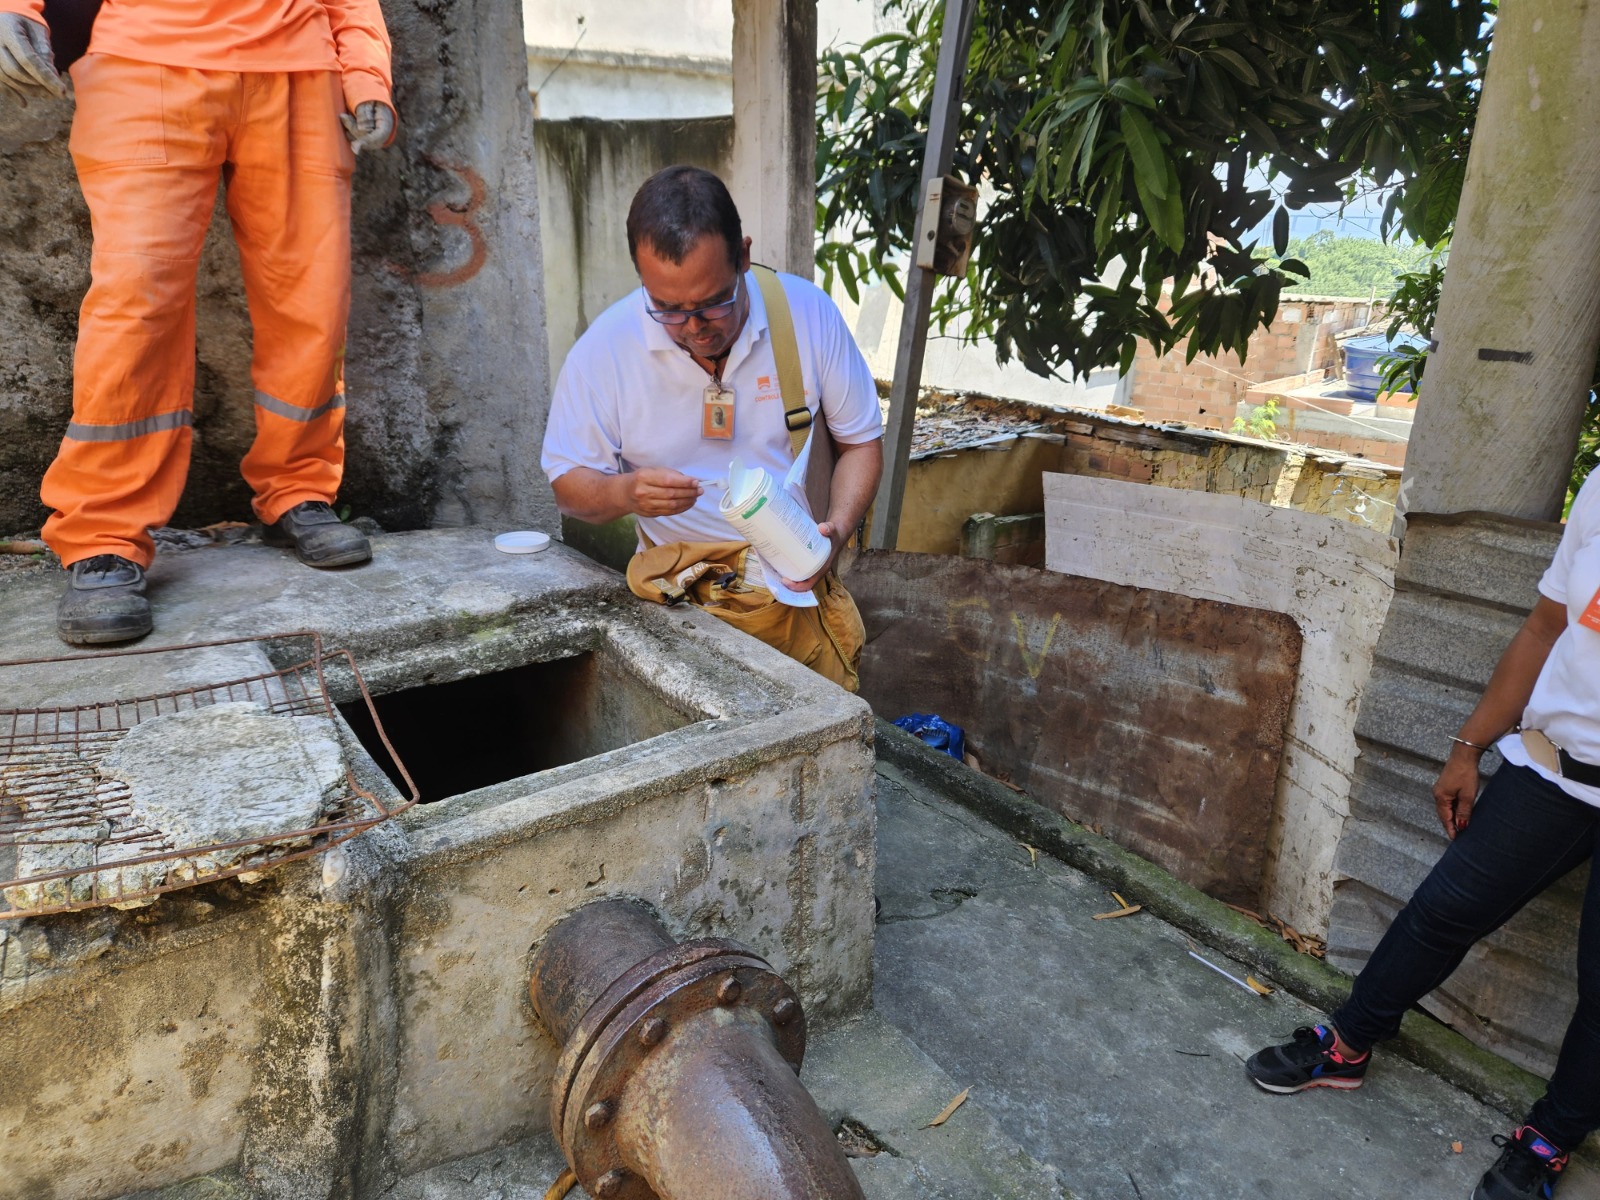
[1537, 819]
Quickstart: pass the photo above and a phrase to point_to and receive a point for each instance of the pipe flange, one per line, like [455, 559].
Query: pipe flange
[634, 1017]
[626, 987]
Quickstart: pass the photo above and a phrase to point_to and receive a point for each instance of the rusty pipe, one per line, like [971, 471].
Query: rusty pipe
[678, 1076]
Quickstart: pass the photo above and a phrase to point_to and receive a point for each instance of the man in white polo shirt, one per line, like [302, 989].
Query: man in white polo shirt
[677, 379]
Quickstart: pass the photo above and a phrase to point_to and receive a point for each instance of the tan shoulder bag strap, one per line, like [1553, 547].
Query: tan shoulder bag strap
[786, 353]
[797, 418]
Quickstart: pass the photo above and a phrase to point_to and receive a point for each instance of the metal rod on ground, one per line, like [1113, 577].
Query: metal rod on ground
[943, 120]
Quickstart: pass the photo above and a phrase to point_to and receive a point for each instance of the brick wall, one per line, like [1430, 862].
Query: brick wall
[1205, 392]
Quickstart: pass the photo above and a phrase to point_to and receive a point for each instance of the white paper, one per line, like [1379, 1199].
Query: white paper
[795, 484]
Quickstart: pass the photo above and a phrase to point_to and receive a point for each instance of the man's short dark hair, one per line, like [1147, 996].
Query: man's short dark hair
[676, 207]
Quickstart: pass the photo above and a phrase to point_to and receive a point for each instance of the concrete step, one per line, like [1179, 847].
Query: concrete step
[874, 1076]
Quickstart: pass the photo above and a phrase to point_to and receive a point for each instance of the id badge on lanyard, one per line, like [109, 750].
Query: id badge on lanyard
[1590, 617]
[716, 412]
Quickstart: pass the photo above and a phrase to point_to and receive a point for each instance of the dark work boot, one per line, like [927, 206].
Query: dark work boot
[319, 538]
[104, 602]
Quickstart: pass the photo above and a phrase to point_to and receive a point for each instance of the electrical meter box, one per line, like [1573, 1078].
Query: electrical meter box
[949, 217]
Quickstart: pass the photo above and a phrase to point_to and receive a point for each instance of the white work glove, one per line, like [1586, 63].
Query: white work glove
[370, 128]
[27, 63]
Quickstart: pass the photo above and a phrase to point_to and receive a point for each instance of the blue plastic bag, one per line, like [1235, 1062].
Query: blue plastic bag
[936, 732]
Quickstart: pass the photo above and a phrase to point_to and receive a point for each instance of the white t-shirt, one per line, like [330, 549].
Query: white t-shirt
[629, 396]
[1565, 705]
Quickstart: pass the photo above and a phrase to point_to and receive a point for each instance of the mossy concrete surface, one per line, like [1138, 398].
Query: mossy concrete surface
[1103, 1048]
[1423, 1040]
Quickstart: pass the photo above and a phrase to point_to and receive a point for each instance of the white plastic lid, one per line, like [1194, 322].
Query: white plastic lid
[521, 541]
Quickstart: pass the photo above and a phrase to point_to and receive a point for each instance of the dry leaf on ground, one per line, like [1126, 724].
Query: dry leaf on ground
[1033, 854]
[1126, 910]
[949, 1109]
[1257, 986]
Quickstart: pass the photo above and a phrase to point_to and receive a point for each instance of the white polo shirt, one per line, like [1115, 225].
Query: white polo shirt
[1565, 705]
[629, 396]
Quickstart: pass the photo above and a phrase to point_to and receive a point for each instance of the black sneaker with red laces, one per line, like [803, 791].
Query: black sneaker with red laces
[1311, 1060]
[1529, 1167]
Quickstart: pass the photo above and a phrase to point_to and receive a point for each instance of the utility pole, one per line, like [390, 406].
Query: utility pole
[1519, 316]
[943, 119]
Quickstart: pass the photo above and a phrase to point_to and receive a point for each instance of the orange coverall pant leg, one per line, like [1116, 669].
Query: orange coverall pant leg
[148, 144]
[288, 182]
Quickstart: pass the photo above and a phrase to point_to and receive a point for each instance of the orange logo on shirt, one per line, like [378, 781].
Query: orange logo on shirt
[764, 381]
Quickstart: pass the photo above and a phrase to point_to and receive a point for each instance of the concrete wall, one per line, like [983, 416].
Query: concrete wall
[1331, 576]
[1462, 590]
[447, 375]
[1004, 474]
[1157, 718]
[360, 1016]
[588, 172]
[619, 61]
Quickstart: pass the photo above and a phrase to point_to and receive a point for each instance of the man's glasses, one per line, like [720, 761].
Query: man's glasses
[711, 312]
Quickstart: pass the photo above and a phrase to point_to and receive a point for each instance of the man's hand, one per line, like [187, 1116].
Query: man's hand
[27, 63]
[660, 492]
[1456, 790]
[370, 128]
[837, 540]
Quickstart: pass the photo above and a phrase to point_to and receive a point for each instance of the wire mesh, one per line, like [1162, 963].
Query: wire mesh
[72, 837]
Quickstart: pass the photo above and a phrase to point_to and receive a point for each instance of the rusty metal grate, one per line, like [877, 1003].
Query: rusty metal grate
[51, 794]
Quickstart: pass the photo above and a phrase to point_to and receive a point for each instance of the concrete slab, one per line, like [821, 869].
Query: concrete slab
[363, 1016]
[874, 1076]
[1108, 1052]
[992, 974]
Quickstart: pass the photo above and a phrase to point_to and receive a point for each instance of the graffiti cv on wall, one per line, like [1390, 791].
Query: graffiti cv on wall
[1032, 662]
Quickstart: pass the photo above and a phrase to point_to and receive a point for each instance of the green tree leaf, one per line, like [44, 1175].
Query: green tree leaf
[1131, 91]
[1149, 163]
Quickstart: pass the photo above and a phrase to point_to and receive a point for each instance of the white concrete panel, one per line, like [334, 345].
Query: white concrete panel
[694, 28]
[1332, 577]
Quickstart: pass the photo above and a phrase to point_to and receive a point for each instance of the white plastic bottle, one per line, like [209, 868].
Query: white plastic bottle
[773, 521]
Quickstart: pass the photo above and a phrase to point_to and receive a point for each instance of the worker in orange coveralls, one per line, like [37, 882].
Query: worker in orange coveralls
[273, 97]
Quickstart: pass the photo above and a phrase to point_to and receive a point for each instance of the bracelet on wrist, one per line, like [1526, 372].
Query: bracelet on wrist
[1461, 741]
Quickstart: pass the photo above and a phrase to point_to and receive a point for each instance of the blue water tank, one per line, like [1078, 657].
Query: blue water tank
[1361, 371]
